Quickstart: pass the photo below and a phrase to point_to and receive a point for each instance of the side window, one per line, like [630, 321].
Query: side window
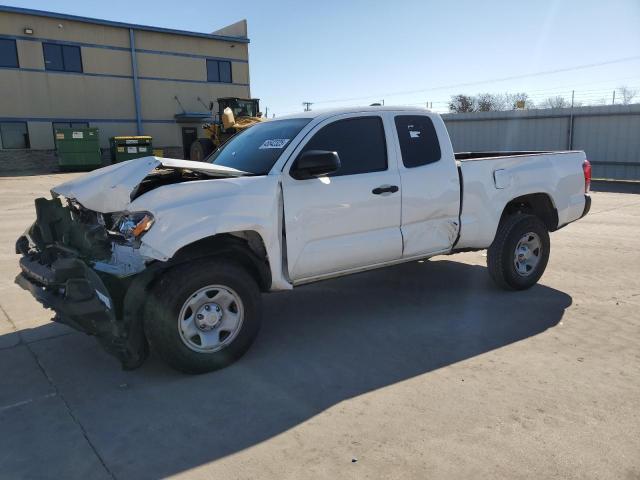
[8, 53]
[419, 142]
[218, 71]
[360, 143]
[62, 58]
[14, 135]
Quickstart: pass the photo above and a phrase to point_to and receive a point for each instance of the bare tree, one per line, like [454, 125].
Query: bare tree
[626, 94]
[513, 101]
[462, 103]
[489, 102]
[556, 102]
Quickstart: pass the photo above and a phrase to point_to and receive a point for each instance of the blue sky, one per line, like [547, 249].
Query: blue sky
[364, 51]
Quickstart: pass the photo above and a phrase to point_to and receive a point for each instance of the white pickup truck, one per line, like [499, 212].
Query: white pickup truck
[174, 254]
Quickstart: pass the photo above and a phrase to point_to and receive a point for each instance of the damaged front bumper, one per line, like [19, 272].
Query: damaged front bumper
[55, 269]
[81, 300]
[72, 290]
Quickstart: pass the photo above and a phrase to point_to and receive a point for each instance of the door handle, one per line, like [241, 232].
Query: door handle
[385, 189]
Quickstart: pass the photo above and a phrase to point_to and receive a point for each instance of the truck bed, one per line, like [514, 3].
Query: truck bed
[462, 156]
[491, 179]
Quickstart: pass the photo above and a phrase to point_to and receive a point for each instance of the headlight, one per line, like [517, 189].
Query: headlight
[132, 225]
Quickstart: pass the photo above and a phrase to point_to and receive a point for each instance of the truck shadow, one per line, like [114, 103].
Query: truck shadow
[320, 345]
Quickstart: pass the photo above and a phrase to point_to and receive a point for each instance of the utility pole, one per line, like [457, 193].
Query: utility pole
[614, 98]
[266, 112]
[307, 106]
[573, 92]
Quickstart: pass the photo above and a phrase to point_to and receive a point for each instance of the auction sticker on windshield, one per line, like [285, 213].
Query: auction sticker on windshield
[274, 143]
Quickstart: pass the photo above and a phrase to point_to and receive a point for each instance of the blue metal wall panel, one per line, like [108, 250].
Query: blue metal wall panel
[610, 135]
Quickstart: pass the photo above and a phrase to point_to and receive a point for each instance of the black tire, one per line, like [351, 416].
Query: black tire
[176, 287]
[501, 253]
[200, 149]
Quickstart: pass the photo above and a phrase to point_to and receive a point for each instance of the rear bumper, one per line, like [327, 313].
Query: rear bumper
[587, 205]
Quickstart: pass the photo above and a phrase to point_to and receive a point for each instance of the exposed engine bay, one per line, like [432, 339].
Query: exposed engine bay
[167, 176]
[108, 242]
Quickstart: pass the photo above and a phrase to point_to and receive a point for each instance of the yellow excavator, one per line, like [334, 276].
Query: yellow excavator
[234, 115]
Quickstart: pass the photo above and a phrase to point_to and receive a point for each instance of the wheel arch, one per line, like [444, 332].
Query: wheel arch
[539, 204]
[245, 247]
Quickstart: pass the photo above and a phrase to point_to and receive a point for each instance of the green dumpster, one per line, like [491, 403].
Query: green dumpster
[78, 148]
[126, 148]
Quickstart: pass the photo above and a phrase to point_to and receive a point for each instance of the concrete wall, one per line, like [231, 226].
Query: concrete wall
[169, 65]
[610, 135]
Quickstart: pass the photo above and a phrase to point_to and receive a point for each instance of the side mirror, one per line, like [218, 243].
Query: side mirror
[315, 163]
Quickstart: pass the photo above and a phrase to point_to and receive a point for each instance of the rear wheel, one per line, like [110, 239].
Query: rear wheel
[201, 149]
[203, 316]
[519, 253]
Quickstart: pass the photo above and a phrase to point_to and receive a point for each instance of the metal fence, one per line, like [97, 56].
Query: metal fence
[610, 135]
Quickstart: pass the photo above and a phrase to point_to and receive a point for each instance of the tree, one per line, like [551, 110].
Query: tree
[462, 103]
[626, 94]
[556, 102]
[512, 101]
[489, 102]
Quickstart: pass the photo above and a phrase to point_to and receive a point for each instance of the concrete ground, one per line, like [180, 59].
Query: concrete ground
[423, 370]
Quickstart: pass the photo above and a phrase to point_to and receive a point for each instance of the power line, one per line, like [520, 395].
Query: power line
[480, 82]
[596, 96]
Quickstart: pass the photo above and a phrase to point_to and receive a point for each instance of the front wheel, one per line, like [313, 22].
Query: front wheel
[519, 253]
[203, 316]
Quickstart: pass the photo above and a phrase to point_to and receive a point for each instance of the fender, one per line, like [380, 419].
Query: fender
[186, 213]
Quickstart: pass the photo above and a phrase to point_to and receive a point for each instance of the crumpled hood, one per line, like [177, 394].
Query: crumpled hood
[109, 189]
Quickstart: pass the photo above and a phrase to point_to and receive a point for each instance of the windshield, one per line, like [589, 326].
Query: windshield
[244, 109]
[257, 148]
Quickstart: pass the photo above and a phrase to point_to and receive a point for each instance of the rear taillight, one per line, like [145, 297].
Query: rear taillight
[586, 168]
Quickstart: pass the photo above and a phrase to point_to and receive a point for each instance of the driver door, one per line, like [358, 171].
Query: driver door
[349, 219]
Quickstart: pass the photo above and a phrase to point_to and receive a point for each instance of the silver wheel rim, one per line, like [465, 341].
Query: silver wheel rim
[527, 254]
[210, 319]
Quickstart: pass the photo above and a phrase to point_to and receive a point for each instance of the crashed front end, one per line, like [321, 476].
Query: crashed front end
[86, 266]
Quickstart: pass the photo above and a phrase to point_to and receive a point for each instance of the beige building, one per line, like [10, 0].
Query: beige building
[62, 70]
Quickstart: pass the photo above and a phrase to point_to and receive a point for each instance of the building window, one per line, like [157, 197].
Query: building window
[14, 135]
[8, 53]
[218, 71]
[59, 125]
[62, 58]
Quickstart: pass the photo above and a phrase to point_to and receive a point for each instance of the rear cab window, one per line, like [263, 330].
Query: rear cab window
[359, 142]
[419, 143]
